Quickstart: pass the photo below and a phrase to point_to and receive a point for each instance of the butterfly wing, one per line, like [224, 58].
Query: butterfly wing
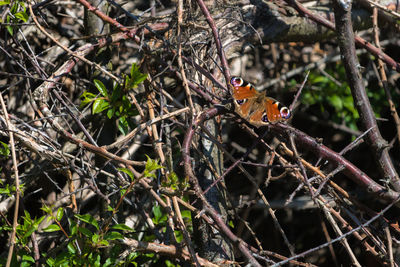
[275, 111]
[242, 90]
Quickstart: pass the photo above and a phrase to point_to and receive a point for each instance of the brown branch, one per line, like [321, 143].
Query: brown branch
[377, 144]
[168, 250]
[217, 39]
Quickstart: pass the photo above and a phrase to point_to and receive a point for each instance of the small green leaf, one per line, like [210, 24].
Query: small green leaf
[2, 3]
[113, 236]
[10, 30]
[52, 228]
[336, 102]
[151, 166]
[46, 209]
[85, 232]
[28, 258]
[127, 171]
[22, 16]
[109, 208]
[104, 243]
[100, 86]
[87, 218]
[123, 227]
[30, 231]
[116, 94]
[99, 105]
[123, 125]
[73, 227]
[110, 113]
[186, 214]
[95, 238]
[60, 213]
[4, 149]
[136, 77]
[71, 248]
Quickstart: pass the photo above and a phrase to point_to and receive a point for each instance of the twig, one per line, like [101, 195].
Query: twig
[17, 189]
[339, 233]
[383, 77]
[180, 63]
[221, 53]
[299, 92]
[376, 4]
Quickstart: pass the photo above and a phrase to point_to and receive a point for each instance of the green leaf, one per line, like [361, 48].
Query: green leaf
[4, 149]
[127, 171]
[159, 216]
[123, 125]
[85, 232]
[136, 77]
[2, 3]
[157, 212]
[10, 30]
[5, 190]
[87, 218]
[104, 243]
[186, 214]
[60, 213]
[73, 227]
[100, 86]
[151, 166]
[52, 228]
[30, 231]
[113, 236]
[99, 105]
[95, 238]
[122, 227]
[71, 248]
[110, 113]
[28, 258]
[46, 209]
[336, 102]
[109, 208]
[22, 16]
[116, 94]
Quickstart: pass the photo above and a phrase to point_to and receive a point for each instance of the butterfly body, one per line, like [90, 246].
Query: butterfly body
[255, 106]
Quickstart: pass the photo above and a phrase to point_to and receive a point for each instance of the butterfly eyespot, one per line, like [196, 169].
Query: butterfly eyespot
[241, 102]
[236, 81]
[285, 113]
[264, 118]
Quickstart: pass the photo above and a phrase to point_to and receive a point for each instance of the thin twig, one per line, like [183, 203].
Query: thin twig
[383, 77]
[17, 189]
[218, 44]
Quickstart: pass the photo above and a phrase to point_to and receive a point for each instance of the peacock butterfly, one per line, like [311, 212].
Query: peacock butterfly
[255, 106]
